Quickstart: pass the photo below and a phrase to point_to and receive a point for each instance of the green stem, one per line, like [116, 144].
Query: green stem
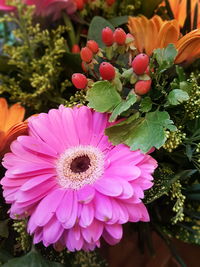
[22, 25]
[68, 23]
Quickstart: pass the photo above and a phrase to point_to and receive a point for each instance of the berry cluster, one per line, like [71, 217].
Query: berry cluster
[109, 37]
[140, 65]
[95, 63]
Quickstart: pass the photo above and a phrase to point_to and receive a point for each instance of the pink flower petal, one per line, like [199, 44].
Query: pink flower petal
[74, 243]
[40, 127]
[52, 231]
[37, 147]
[65, 208]
[69, 127]
[36, 181]
[128, 172]
[47, 207]
[87, 215]
[109, 239]
[44, 189]
[109, 187]
[85, 194]
[38, 236]
[103, 211]
[83, 114]
[67, 211]
[114, 230]
[120, 213]
[93, 232]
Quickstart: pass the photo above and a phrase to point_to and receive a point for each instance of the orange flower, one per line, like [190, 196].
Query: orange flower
[179, 10]
[11, 125]
[155, 33]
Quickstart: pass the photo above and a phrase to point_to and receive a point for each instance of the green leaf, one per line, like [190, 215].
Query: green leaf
[186, 86]
[127, 73]
[4, 228]
[165, 57]
[142, 133]
[189, 152]
[96, 26]
[195, 188]
[163, 180]
[144, 77]
[32, 259]
[103, 96]
[123, 106]
[177, 96]
[181, 73]
[117, 21]
[5, 256]
[146, 104]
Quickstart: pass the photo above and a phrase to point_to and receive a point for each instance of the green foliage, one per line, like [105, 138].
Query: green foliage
[118, 21]
[163, 178]
[129, 7]
[103, 96]
[192, 106]
[123, 106]
[146, 104]
[4, 256]
[4, 228]
[165, 57]
[193, 192]
[23, 239]
[32, 259]
[178, 207]
[174, 139]
[89, 259]
[177, 96]
[78, 99]
[139, 133]
[95, 29]
[35, 64]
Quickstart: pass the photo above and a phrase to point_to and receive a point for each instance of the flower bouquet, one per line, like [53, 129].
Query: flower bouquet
[99, 131]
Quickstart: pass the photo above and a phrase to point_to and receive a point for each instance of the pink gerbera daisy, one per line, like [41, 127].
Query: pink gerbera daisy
[75, 186]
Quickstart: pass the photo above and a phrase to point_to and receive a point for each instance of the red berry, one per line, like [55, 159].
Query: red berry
[84, 66]
[119, 36]
[79, 4]
[140, 63]
[129, 38]
[86, 54]
[107, 71]
[79, 80]
[76, 49]
[93, 46]
[107, 36]
[142, 87]
[110, 2]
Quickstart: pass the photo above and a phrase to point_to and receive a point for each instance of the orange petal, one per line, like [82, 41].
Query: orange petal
[169, 34]
[3, 113]
[15, 115]
[157, 20]
[136, 31]
[150, 37]
[181, 12]
[189, 51]
[15, 131]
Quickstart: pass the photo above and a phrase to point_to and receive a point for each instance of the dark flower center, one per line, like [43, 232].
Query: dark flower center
[80, 164]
